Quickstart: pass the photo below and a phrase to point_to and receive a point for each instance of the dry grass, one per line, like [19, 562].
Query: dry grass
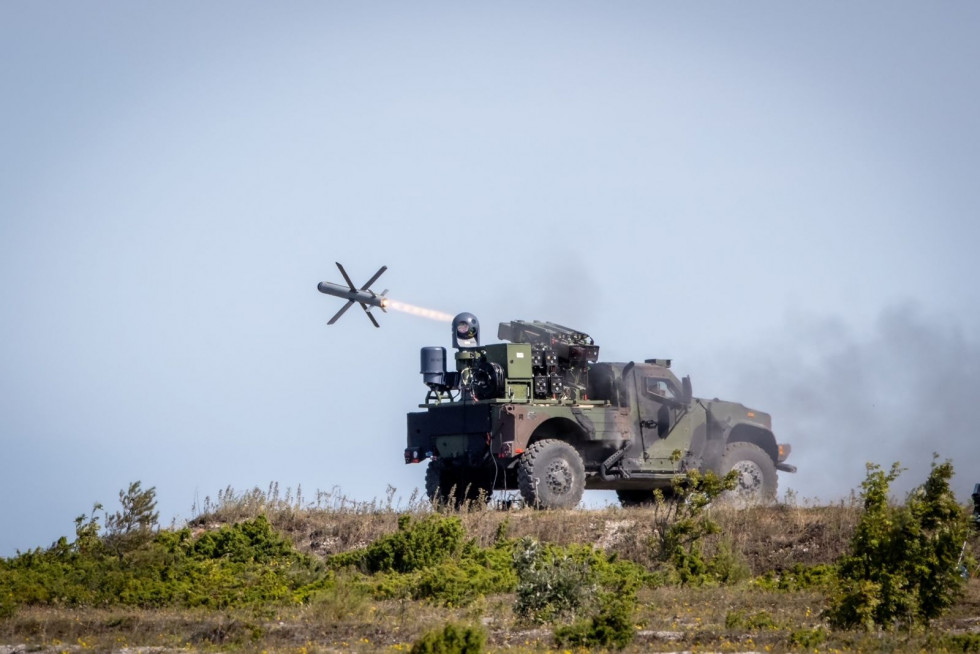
[767, 538]
[737, 618]
[668, 620]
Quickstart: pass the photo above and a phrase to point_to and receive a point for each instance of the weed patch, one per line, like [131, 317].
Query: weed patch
[808, 639]
[758, 621]
[798, 577]
[451, 639]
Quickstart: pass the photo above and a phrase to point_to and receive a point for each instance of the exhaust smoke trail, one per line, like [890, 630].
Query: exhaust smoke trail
[906, 389]
[431, 314]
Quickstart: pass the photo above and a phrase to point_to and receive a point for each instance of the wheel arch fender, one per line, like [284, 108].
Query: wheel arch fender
[759, 436]
[561, 429]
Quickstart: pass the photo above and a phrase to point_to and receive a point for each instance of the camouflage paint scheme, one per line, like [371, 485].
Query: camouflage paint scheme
[634, 426]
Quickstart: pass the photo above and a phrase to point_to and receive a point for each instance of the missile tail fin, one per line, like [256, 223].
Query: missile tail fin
[370, 315]
[337, 315]
[346, 276]
[367, 284]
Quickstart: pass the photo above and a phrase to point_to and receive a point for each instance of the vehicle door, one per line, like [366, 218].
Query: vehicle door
[663, 419]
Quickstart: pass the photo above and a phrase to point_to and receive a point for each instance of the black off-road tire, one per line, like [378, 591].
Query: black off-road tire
[453, 486]
[551, 475]
[757, 481]
[437, 482]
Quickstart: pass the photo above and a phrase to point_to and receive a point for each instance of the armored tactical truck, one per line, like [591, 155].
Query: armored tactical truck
[540, 414]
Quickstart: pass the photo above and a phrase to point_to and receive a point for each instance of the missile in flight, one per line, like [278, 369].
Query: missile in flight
[363, 296]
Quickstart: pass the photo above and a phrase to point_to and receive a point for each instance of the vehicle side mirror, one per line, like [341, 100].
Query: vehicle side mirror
[687, 390]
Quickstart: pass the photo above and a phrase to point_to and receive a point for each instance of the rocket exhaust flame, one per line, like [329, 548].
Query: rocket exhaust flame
[431, 314]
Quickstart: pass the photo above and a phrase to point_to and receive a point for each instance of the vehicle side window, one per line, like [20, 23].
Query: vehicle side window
[658, 387]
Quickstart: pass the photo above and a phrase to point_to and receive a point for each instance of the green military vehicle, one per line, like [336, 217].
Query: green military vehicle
[540, 414]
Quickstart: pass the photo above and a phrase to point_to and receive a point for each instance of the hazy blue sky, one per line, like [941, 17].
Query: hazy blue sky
[783, 197]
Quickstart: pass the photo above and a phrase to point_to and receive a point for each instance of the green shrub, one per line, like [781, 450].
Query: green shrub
[726, 566]
[342, 597]
[902, 568]
[465, 573]
[237, 565]
[798, 577]
[456, 583]
[955, 643]
[808, 639]
[134, 525]
[451, 639]
[8, 605]
[681, 522]
[251, 541]
[758, 621]
[415, 546]
[550, 583]
[555, 582]
[460, 583]
[612, 627]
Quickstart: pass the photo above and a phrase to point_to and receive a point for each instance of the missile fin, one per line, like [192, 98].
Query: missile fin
[346, 276]
[369, 315]
[341, 312]
[367, 284]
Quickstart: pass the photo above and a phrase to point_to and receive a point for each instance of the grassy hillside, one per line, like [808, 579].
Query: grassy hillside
[265, 571]
[770, 538]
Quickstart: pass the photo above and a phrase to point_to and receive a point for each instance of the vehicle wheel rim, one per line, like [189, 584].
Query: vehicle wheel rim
[558, 477]
[750, 479]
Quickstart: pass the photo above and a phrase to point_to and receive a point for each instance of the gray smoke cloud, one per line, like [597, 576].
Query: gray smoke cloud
[906, 388]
